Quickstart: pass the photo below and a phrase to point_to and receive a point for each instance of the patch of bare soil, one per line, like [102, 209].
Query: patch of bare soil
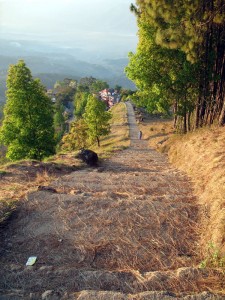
[125, 230]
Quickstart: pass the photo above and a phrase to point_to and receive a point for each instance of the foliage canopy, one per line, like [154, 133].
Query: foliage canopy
[27, 128]
[180, 60]
[97, 119]
[77, 137]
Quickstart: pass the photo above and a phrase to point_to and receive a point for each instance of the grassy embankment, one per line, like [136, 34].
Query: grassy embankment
[202, 156]
[19, 178]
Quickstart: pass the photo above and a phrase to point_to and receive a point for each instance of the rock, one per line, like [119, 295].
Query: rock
[46, 188]
[51, 295]
[103, 295]
[14, 267]
[47, 294]
[32, 296]
[188, 272]
[46, 268]
[29, 268]
[88, 156]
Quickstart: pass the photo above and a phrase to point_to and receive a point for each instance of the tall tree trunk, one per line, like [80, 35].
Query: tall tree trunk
[222, 115]
[197, 121]
[175, 106]
[189, 121]
[218, 73]
[185, 124]
[185, 117]
[98, 141]
[207, 47]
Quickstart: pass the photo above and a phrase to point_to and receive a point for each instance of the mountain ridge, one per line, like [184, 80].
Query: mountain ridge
[53, 66]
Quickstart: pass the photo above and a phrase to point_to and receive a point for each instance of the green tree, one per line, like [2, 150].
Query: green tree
[97, 119]
[1, 112]
[148, 68]
[27, 128]
[80, 103]
[59, 121]
[118, 88]
[163, 76]
[66, 82]
[77, 137]
[85, 84]
[197, 29]
[98, 86]
[65, 94]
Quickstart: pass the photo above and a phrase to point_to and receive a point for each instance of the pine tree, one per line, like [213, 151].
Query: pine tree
[163, 76]
[197, 29]
[27, 128]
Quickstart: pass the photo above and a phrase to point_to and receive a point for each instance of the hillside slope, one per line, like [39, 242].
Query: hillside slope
[128, 229]
[201, 156]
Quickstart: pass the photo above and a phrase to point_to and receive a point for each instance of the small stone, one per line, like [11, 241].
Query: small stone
[32, 296]
[47, 189]
[14, 267]
[29, 268]
[46, 295]
[86, 194]
[46, 268]
[73, 192]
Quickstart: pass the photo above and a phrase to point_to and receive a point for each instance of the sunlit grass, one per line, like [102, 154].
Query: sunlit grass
[21, 177]
[201, 155]
[156, 131]
[118, 139]
[204, 161]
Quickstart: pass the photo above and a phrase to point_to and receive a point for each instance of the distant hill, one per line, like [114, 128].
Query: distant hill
[61, 64]
[49, 79]
[50, 67]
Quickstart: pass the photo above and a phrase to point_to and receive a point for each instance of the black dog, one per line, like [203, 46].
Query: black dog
[88, 156]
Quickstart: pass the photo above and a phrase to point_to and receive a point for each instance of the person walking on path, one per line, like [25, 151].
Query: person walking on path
[140, 135]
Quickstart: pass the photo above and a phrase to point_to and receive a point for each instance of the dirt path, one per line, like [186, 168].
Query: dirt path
[125, 230]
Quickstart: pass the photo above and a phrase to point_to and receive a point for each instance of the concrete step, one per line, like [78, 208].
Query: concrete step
[105, 295]
[100, 284]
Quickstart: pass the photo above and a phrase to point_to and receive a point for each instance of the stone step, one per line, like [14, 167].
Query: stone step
[100, 284]
[105, 295]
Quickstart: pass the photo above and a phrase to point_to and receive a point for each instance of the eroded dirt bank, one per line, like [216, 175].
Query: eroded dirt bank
[125, 230]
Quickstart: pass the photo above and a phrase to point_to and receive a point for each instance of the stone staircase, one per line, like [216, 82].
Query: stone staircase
[125, 230]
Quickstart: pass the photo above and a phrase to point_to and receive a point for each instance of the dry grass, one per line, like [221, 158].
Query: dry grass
[130, 226]
[156, 131]
[18, 179]
[95, 234]
[201, 155]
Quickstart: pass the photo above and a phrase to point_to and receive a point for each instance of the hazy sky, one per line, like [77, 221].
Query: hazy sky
[72, 23]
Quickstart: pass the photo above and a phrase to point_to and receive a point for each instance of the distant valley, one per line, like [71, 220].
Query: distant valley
[50, 63]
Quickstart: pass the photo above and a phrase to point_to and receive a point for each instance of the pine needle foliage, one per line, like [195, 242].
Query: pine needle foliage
[190, 38]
